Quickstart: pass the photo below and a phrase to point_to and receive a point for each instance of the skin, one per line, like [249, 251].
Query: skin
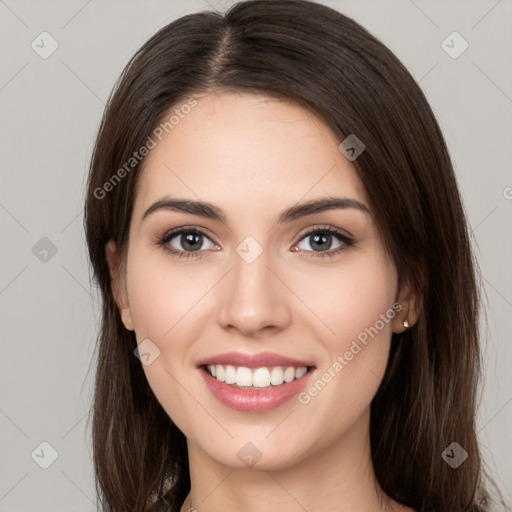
[253, 156]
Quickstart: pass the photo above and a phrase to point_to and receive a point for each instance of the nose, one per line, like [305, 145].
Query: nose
[254, 298]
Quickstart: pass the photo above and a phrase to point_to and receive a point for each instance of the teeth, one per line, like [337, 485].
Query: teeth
[276, 376]
[256, 377]
[230, 375]
[243, 376]
[220, 373]
[260, 378]
[299, 372]
[289, 374]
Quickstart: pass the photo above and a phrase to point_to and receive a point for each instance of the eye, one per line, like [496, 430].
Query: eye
[189, 242]
[322, 238]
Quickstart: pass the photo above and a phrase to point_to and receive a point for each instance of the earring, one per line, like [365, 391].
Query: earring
[406, 324]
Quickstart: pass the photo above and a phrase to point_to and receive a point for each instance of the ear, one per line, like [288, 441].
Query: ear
[118, 282]
[410, 311]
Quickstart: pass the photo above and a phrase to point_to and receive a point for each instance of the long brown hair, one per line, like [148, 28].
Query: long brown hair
[312, 55]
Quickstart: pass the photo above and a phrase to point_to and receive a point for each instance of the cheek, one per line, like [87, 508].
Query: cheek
[356, 306]
[163, 303]
[352, 371]
[162, 296]
[351, 298]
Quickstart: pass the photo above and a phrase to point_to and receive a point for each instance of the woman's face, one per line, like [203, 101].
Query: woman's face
[258, 281]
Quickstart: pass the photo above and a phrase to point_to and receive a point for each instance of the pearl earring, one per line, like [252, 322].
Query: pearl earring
[406, 324]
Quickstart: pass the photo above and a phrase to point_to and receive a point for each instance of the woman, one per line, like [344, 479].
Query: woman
[289, 294]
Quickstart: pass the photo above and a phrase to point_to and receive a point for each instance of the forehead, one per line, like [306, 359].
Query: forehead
[246, 150]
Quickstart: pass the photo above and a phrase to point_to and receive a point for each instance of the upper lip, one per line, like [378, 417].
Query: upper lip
[253, 360]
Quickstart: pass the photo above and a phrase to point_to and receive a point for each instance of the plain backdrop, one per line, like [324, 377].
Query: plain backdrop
[50, 111]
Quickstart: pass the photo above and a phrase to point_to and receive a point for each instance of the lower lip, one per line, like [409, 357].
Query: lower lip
[254, 400]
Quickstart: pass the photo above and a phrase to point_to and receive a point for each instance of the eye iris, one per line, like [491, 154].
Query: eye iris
[191, 240]
[321, 237]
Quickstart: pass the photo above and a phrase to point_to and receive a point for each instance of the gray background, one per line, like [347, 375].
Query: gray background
[50, 110]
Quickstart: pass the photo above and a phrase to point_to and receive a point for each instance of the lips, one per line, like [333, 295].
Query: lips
[253, 360]
[264, 394]
[253, 400]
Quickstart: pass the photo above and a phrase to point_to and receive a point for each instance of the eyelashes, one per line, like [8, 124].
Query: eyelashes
[323, 235]
[196, 233]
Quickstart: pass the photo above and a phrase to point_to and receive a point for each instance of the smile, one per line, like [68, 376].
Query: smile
[254, 383]
[264, 377]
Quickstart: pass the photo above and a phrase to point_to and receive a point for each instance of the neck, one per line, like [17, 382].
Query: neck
[337, 477]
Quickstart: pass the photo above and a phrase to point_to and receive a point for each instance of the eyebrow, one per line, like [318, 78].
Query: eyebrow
[210, 211]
